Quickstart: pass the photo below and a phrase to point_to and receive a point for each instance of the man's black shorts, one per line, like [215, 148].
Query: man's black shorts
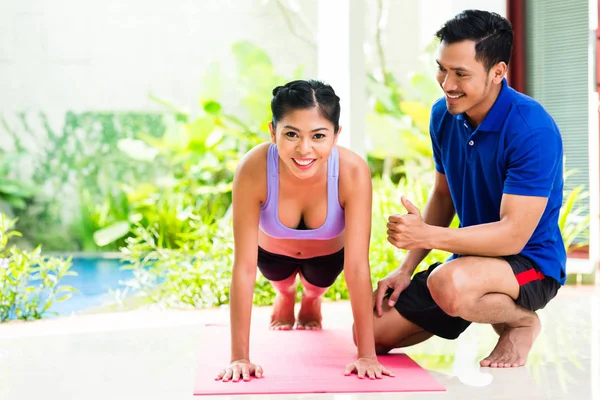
[416, 304]
[318, 271]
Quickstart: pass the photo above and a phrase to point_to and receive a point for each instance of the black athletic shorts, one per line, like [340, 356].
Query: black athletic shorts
[416, 304]
[319, 271]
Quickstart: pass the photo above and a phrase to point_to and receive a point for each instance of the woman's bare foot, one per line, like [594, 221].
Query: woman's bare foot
[282, 318]
[514, 344]
[309, 316]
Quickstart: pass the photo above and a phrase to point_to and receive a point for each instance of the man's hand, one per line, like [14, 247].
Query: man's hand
[237, 368]
[407, 231]
[367, 366]
[397, 281]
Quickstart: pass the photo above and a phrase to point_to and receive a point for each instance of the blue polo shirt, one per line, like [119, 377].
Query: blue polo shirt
[517, 149]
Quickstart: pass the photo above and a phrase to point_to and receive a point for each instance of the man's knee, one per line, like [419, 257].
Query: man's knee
[447, 285]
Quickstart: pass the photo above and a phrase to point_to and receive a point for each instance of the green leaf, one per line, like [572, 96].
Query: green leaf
[111, 233]
[212, 107]
[64, 297]
[15, 202]
[177, 137]
[383, 94]
[200, 129]
[180, 115]
[386, 137]
[220, 188]
[214, 138]
[137, 149]
[248, 55]
[299, 72]
[418, 112]
[211, 83]
[135, 218]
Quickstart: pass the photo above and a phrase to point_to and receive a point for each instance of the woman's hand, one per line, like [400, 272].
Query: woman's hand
[237, 368]
[367, 366]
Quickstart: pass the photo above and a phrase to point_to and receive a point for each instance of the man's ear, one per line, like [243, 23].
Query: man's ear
[499, 72]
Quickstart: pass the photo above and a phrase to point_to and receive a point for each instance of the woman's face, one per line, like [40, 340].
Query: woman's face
[304, 141]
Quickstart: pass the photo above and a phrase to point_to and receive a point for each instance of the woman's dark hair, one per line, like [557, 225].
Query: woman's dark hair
[302, 94]
[492, 34]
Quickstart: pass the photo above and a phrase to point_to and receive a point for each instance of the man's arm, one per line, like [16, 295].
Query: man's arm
[438, 212]
[534, 162]
[519, 216]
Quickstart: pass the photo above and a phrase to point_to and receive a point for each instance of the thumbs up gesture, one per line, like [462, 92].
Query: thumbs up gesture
[407, 231]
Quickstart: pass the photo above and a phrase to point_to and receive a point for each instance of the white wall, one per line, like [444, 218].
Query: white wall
[86, 54]
[411, 26]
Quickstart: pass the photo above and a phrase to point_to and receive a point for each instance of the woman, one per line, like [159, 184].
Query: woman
[301, 207]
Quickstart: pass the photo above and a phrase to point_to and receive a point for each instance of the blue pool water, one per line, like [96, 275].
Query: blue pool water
[95, 278]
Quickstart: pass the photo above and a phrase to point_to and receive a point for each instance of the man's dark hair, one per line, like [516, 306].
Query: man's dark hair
[306, 94]
[492, 34]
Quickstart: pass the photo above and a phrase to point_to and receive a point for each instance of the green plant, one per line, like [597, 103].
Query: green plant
[198, 271]
[29, 281]
[398, 122]
[15, 191]
[199, 152]
[79, 170]
[573, 220]
[383, 257]
[197, 274]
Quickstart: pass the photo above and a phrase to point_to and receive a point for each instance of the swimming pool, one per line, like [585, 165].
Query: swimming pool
[96, 276]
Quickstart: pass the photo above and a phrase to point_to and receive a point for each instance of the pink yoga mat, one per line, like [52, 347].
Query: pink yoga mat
[302, 362]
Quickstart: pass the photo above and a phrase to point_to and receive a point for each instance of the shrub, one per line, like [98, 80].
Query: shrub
[29, 281]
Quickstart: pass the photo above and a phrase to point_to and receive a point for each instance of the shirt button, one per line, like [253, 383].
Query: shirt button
[466, 125]
[471, 143]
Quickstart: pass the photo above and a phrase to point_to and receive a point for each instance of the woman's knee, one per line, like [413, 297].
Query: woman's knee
[311, 290]
[379, 336]
[388, 329]
[287, 285]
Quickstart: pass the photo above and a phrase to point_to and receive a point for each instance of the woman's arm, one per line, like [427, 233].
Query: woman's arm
[356, 256]
[247, 184]
[357, 193]
[246, 215]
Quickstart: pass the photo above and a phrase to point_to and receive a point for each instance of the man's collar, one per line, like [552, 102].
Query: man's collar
[494, 120]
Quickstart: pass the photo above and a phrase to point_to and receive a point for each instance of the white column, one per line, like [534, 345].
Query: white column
[593, 143]
[595, 350]
[341, 64]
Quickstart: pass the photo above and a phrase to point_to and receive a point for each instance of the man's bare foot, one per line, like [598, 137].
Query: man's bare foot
[309, 316]
[282, 318]
[513, 345]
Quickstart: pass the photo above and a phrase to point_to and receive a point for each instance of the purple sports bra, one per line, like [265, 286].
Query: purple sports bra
[335, 222]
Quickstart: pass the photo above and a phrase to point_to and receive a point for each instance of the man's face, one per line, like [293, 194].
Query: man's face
[465, 81]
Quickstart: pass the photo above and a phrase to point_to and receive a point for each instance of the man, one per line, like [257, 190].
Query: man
[498, 158]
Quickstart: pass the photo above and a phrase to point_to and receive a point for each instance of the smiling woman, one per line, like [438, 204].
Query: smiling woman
[301, 209]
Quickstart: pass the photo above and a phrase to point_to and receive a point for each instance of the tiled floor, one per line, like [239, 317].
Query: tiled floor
[151, 355]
